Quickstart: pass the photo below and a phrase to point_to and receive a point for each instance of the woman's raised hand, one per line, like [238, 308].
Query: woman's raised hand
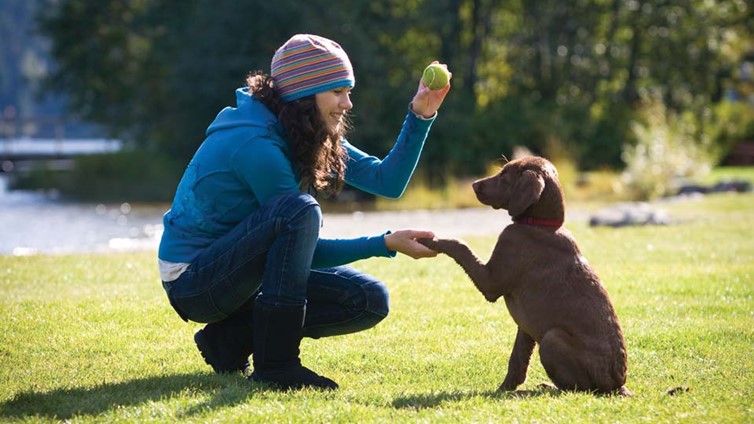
[426, 101]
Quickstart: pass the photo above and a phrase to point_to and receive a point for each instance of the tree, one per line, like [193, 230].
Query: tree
[548, 75]
[575, 73]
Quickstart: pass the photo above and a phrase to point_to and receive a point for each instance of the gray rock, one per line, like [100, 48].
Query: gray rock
[626, 214]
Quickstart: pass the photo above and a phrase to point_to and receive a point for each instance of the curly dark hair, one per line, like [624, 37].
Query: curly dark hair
[319, 155]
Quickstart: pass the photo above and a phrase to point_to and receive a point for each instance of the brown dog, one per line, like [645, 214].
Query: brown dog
[552, 293]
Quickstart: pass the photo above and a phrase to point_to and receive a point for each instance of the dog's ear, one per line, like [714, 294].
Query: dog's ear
[526, 192]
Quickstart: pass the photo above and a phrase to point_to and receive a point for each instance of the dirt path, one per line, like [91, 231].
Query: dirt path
[445, 223]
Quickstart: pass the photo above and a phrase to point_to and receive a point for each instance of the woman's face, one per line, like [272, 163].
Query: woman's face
[333, 105]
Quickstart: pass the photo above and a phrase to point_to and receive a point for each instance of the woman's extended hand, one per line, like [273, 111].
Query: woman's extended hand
[426, 101]
[404, 241]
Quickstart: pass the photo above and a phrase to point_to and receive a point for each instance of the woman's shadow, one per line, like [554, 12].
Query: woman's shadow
[66, 403]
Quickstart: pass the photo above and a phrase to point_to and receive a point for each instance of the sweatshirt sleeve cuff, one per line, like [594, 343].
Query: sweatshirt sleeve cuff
[381, 246]
[417, 116]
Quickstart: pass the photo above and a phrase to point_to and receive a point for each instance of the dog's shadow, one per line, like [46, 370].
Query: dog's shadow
[431, 400]
[66, 403]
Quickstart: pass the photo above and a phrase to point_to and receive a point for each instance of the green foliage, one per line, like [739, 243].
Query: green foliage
[729, 123]
[91, 338]
[126, 176]
[108, 63]
[131, 175]
[524, 73]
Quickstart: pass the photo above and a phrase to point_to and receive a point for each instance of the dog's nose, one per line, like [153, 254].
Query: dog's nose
[475, 185]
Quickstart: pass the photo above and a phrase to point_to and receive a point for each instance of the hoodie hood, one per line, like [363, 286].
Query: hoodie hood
[248, 113]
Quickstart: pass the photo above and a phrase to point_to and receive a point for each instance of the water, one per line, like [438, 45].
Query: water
[39, 222]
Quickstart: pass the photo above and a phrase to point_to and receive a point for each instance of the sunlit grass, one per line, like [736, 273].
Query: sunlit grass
[419, 195]
[91, 338]
[727, 173]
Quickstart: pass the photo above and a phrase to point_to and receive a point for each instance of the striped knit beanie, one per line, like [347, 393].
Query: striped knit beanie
[309, 64]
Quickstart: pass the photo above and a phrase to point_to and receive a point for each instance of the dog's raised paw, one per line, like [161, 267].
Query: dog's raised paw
[428, 242]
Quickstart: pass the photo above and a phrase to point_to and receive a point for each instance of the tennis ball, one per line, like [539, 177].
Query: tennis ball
[435, 76]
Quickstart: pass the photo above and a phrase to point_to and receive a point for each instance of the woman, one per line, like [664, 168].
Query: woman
[241, 248]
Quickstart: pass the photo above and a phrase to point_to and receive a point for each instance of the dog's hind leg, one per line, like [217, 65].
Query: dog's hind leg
[562, 361]
[519, 361]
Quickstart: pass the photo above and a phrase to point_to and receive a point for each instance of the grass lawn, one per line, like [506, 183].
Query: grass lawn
[91, 338]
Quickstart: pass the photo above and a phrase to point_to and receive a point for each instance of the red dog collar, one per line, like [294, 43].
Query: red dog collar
[539, 221]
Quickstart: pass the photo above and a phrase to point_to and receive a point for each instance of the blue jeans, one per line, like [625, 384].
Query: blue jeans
[267, 258]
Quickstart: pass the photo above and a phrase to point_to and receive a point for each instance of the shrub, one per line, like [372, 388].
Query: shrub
[129, 175]
[665, 154]
[729, 123]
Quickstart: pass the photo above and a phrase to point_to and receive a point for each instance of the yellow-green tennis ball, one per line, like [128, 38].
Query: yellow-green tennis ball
[435, 76]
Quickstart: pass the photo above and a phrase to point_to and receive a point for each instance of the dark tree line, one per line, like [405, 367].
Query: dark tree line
[566, 75]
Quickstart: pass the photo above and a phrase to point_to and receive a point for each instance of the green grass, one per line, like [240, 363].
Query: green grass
[727, 173]
[91, 338]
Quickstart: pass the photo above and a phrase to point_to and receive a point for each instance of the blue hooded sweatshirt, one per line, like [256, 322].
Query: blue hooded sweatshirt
[243, 163]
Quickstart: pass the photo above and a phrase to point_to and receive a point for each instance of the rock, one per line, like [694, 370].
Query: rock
[625, 214]
[738, 186]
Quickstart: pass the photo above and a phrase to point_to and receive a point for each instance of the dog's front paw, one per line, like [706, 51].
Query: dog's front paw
[507, 387]
[429, 243]
[442, 245]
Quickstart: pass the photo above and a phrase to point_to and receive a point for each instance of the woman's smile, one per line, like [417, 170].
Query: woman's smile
[333, 106]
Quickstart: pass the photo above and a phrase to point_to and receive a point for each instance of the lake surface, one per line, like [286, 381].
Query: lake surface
[39, 222]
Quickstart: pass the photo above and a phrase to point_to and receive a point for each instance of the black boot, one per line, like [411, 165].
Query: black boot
[277, 335]
[226, 345]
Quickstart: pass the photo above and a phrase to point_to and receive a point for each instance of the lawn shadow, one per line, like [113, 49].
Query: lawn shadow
[431, 400]
[66, 403]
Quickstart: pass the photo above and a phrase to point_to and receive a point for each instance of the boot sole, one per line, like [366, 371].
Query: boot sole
[284, 381]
